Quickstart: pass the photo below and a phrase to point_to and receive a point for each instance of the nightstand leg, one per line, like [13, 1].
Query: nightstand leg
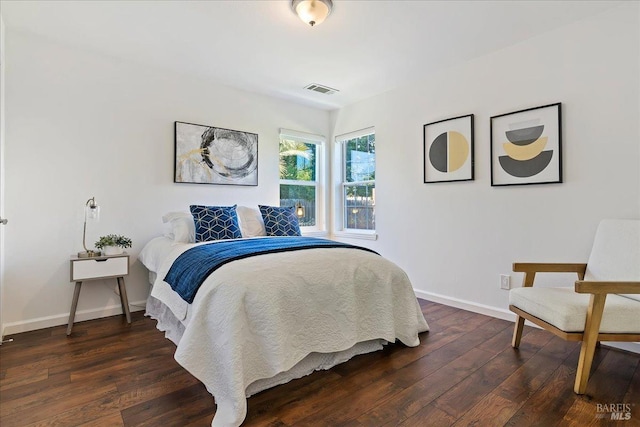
[123, 298]
[74, 305]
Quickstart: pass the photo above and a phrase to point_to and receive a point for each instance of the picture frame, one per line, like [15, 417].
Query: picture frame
[526, 146]
[449, 150]
[213, 155]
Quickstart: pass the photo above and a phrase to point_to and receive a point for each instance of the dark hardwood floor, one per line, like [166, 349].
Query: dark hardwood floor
[463, 373]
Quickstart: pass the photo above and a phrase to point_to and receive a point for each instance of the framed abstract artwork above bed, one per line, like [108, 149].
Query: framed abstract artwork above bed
[212, 155]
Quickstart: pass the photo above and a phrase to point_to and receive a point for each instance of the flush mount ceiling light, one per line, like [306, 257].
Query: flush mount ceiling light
[312, 12]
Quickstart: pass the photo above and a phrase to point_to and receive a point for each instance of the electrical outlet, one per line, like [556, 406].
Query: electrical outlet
[505, 281]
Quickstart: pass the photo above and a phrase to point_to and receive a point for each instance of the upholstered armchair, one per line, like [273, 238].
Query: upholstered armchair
[604, 304]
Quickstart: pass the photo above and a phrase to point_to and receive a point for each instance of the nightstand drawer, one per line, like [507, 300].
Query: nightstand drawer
[99, 268]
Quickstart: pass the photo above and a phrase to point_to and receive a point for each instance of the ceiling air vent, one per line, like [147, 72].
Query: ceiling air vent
[321, 89]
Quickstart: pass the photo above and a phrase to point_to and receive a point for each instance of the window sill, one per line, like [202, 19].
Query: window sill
[315, 233]
[356, 235]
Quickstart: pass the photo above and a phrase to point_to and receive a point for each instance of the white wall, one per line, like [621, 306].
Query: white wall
[2, 126]
[82, 125]
[454, 239]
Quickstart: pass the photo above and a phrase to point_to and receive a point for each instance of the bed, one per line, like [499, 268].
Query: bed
[256, 321]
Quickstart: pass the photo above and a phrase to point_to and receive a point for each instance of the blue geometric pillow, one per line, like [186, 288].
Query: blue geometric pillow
[280, 221]
[215, 222]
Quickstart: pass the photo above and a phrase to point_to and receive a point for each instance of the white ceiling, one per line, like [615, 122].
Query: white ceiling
[362, 49]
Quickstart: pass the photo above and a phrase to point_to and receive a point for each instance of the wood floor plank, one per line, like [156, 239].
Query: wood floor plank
[464, 372]
[550, 403]
[343, 411]
[464, 395]
[22, 377]
[490, 410]
[428, 416]
[109, 419]
[102, 411]
[412, 399]
[314, 401]
[40, 388]
[634, 390]
[164, 409]
[439, 357]
[528, 378]
[612, 386]
[289, 395]
[41, 407]
[610, 389]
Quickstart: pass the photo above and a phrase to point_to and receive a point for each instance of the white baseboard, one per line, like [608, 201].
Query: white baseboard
[62, 319]
[633, 347]
[503, 314]
[467, 305]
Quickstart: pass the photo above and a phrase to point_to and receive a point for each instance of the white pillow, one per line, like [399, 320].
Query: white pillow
[250, 221]
[181, 227]
[154, 253]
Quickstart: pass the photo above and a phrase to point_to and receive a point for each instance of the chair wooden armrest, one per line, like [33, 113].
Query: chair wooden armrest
[549, 267]
[531, 268]
[593, 287]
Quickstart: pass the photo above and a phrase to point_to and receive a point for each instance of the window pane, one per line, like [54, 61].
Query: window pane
[297, 160]
[359, 202]
[360, 159]
[291, 195]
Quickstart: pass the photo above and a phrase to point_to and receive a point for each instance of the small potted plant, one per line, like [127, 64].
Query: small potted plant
[113, 244]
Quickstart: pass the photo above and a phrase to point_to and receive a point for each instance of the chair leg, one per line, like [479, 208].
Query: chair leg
[517, 332]
[591, 330]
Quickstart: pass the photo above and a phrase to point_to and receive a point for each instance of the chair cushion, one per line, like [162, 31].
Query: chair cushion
[567, 310]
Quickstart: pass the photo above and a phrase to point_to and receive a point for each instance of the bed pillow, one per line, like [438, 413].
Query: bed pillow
[215, 222]
[250, 221]
[154, 252]
[280, 221]
[180, 227]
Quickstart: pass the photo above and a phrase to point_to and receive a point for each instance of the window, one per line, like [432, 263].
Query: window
[358, 180]
[300, 175]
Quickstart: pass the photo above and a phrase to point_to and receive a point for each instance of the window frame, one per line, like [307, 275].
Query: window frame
[340, 224]
[319, 141]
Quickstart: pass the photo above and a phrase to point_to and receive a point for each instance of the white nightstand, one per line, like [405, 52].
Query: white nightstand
[103, 267]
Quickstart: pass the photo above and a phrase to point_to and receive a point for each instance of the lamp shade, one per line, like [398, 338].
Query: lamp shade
[312, 12]
[91, 213]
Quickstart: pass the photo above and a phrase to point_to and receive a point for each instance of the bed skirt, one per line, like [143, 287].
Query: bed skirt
[173, 329]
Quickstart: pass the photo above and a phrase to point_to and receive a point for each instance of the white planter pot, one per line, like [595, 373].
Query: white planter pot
[112, 250]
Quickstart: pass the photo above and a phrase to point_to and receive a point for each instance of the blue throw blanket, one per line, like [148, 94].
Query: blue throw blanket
[193, 266]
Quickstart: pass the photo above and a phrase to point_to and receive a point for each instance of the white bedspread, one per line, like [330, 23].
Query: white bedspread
[257, 317]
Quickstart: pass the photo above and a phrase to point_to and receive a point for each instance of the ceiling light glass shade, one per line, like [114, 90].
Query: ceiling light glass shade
[312, 12]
